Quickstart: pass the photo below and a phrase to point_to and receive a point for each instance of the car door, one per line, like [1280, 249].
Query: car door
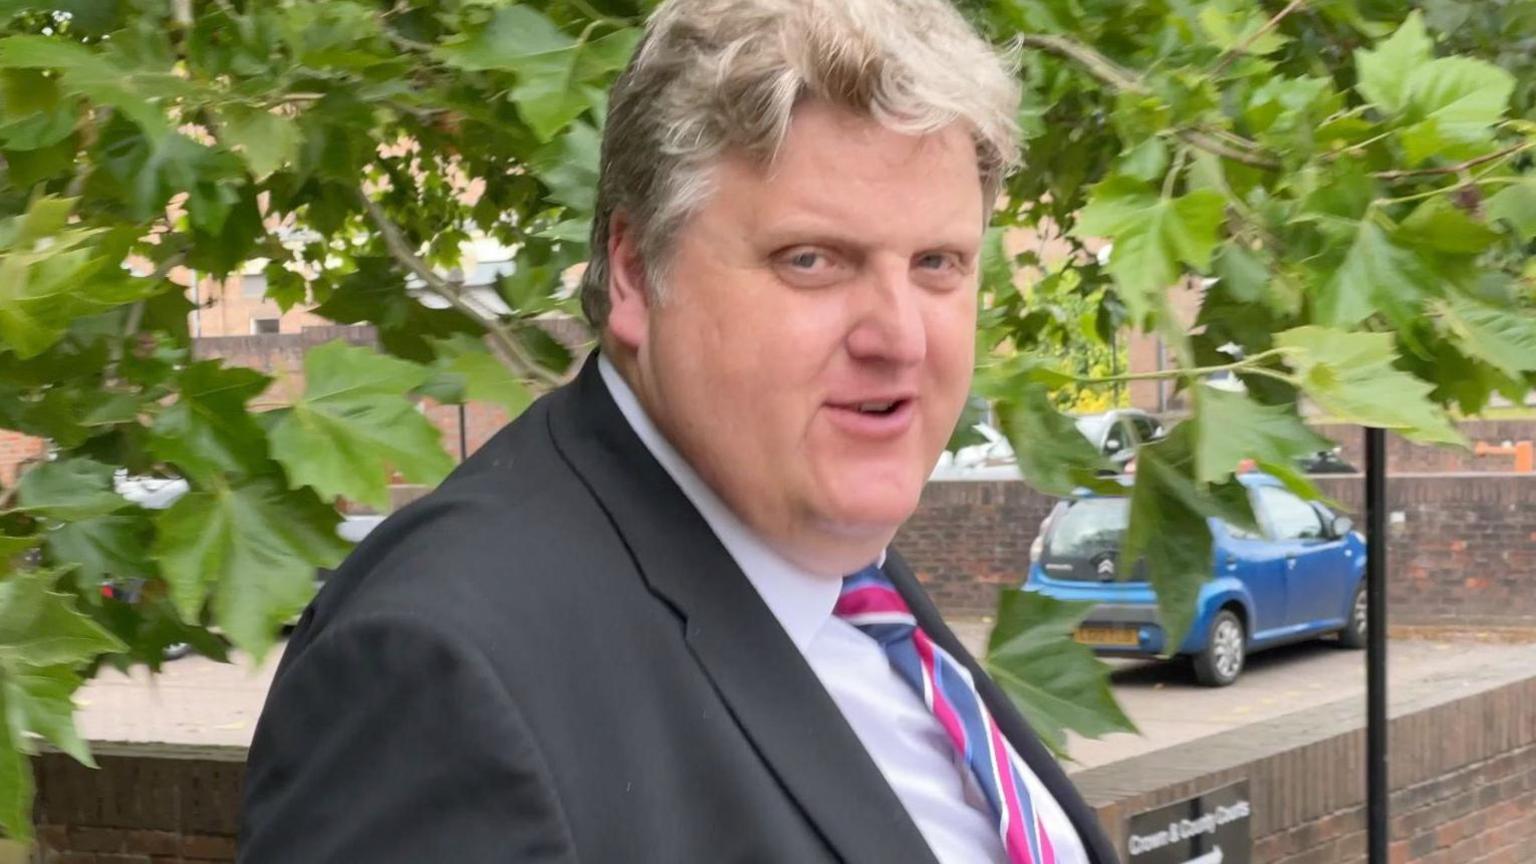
[1256, 562]
[1309, 553]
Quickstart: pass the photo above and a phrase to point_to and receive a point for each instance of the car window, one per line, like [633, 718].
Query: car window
[1092, 427]
[1089, 526]
[1117, 439]
[1146, 429]
[1290, 517]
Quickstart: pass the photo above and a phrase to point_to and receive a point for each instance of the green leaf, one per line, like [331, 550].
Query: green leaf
[69, 489]
[1461, 96]
[255, 547]
[354, 424]
[40, 701]
[1440, 225]
[1376, 273]
[16, 785]
[104, 547]
[1384, 73]
[513, 34]
[1352, 377]
[1505, 338]
[1515, 204]
[39, 627]
[568, 166]
[1146, 161]
[267, 140]
[1242, 273]
[1231, 427]
[207, 431]
[1232, 28]
[1052, 455]
[1168, 528]
[1057, 684]
[1151, 235]
[483, 377]
[90, 74]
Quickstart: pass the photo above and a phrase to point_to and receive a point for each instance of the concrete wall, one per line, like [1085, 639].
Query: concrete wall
[1463, 547]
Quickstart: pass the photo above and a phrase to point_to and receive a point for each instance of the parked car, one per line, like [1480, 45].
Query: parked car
[1302, 578]
[1326, 462]
[1117, 434]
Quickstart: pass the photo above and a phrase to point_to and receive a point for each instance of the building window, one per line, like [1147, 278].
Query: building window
[253, 286]
[260, 326]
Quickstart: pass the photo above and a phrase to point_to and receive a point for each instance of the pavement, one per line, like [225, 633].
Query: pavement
[198, 703]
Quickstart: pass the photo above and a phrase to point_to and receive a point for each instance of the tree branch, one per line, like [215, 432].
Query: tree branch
[1116, 76]
[1455, 169]
[503, 341]
[1231, 55]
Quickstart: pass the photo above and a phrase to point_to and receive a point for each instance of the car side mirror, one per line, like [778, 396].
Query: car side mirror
[1342, 525]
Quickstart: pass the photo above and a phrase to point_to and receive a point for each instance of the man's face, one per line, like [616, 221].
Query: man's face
[812, 348]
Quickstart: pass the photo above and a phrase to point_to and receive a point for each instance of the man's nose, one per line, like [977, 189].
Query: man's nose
[890, 326]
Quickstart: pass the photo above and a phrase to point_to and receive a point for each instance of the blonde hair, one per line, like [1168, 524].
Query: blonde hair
[712, 75]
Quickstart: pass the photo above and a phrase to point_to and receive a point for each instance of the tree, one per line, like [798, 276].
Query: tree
[1361, 194]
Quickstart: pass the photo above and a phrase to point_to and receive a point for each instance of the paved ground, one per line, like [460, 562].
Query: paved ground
[199, 702]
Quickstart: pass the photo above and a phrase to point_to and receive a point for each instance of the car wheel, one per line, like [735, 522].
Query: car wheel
[1226, 651]
[1353, 634]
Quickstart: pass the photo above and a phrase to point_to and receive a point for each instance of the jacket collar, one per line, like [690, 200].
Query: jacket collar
[759, 673]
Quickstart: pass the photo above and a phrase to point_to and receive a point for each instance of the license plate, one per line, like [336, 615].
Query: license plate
[1114, 636]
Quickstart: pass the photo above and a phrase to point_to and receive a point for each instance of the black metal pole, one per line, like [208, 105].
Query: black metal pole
[1378, 790]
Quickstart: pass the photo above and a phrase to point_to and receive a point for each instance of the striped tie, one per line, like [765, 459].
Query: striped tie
[870, 602]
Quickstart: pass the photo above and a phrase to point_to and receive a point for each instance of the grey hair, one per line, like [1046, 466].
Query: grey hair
[713, 75]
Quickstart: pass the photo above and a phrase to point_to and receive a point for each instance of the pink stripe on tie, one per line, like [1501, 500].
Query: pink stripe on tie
[1015, 828]
[939, 703]
[1047, 851]
[871, 598]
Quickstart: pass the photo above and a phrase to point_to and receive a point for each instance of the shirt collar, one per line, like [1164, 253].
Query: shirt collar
[801, 601]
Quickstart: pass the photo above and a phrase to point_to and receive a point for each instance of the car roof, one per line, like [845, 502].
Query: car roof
[1250, 479]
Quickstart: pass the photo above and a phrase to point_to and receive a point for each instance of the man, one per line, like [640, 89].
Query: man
[655, 620]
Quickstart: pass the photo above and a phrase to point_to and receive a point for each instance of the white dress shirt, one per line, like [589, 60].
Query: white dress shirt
[902, 737]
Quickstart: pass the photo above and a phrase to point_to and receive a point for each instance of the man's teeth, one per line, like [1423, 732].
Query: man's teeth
[876, 407]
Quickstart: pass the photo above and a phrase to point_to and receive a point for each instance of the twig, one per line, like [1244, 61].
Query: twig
[503, 342]
[1210, 144]
[1454, 169]
[1111, 73]
[1231, 55]
[1250, 364]
[1102, 67]
[1173, 173]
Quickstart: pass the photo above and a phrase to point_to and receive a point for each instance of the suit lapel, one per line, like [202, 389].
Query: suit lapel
[1009, 720]
[759, 673]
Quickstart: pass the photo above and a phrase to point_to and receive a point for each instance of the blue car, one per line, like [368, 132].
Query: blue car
[1302, 578]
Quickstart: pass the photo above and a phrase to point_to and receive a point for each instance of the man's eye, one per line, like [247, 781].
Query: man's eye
[938, 261]
[805, 260]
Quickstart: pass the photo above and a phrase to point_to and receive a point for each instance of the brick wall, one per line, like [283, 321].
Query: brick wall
[1462, 768]
[969, 539]
[1463, 551]
[1406, 457]
[17, 450]
[151, 807]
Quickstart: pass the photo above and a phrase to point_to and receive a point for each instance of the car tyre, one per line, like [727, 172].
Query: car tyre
[1226, 651]
[1354, 633]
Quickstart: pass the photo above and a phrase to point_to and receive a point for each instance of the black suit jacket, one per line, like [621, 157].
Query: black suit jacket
[552, 658]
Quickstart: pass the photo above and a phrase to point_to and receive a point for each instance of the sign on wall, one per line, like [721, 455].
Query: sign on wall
[1214, 828]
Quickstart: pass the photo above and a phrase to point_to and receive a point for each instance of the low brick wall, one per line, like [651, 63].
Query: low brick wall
[1462, 765]
[1463, 547]
[1404, 456]
[1463, 768]
[149, 804]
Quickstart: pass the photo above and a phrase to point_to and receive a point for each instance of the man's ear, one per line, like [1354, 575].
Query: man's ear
[628, 292]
